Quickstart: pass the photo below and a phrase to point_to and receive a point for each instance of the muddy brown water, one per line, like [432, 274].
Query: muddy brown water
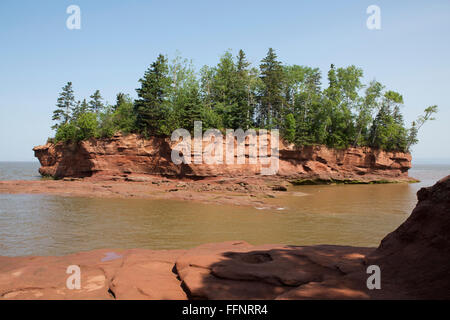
[358, 215]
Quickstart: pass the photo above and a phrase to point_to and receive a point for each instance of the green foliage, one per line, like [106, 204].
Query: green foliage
[271, 97]
[233, 94]
[64, 106]
[388, 131]
[416, 125]
[66, 132]
[80, 108]
[83, 128]
[289, 128]
[106, 126]
[150, 107]
[124, 118]
[86, 126]
[95, 104]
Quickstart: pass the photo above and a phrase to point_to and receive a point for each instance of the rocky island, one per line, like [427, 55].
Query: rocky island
[130, 166]
[119, 157]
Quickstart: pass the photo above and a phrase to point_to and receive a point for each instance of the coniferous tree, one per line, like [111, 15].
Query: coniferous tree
[289, 128]
[302, 92]
[271, 97]
[95, 104]
[81, 108]
[364, 112]
[241, 112]
[120, 99]
[150, 106]
[235, 95]
[332, 101]
[385, 131]
[64, 106]
[399, 134]
[223, 88]
[192, 108]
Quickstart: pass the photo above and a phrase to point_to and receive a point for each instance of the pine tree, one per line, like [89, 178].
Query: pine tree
[192, 106]
[223, 88]
[289, 128]
[80, 109]
[120, 99]
[95, 104]
[150, 106]
[241, 112]
[332, 101]
[235, 95]
[412, 135]
[64, 106]
[387, 128]
[271, 97]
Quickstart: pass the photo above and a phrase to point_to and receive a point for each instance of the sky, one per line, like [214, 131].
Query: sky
[118, 40]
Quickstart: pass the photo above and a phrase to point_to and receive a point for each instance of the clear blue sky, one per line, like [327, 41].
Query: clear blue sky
[119, 39]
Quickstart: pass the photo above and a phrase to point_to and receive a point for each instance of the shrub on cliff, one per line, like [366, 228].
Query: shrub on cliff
[66, 132]
[86, 126]
[124, 118]
[83, 128]
[117, 118]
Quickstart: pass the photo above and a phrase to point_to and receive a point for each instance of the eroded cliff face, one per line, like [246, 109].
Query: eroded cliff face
[132, 155]
[417, 254]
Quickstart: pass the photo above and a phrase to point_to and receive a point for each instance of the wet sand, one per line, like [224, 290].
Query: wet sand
[255, 192]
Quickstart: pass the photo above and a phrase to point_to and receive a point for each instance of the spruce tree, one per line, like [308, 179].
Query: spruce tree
[241, 112]
[150, 106]
[223, 88]
[64, 106]
[95, 104]
[271, 98]
[363, 119]
[234, 95]
[80, 109]
[289, 128]
[120, 99]
[192, 106]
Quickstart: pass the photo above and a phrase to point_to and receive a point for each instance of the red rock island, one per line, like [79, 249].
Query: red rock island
[120, 156]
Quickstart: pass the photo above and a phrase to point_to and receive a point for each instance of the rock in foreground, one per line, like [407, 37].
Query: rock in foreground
[417, 254]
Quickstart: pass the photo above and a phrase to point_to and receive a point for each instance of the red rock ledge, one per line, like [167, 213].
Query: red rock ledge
[120, 156]
[414, 262]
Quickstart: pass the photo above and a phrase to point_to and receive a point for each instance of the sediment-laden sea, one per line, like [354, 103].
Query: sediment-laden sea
[357, 215]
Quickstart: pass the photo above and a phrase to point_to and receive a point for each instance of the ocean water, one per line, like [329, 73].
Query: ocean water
[19, 171]
[358, 215]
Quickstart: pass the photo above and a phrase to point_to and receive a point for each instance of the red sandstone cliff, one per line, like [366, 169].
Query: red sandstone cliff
[122, 155]
[416, 256]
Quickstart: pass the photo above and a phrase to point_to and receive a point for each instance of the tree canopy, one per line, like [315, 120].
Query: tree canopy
[233, 94]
